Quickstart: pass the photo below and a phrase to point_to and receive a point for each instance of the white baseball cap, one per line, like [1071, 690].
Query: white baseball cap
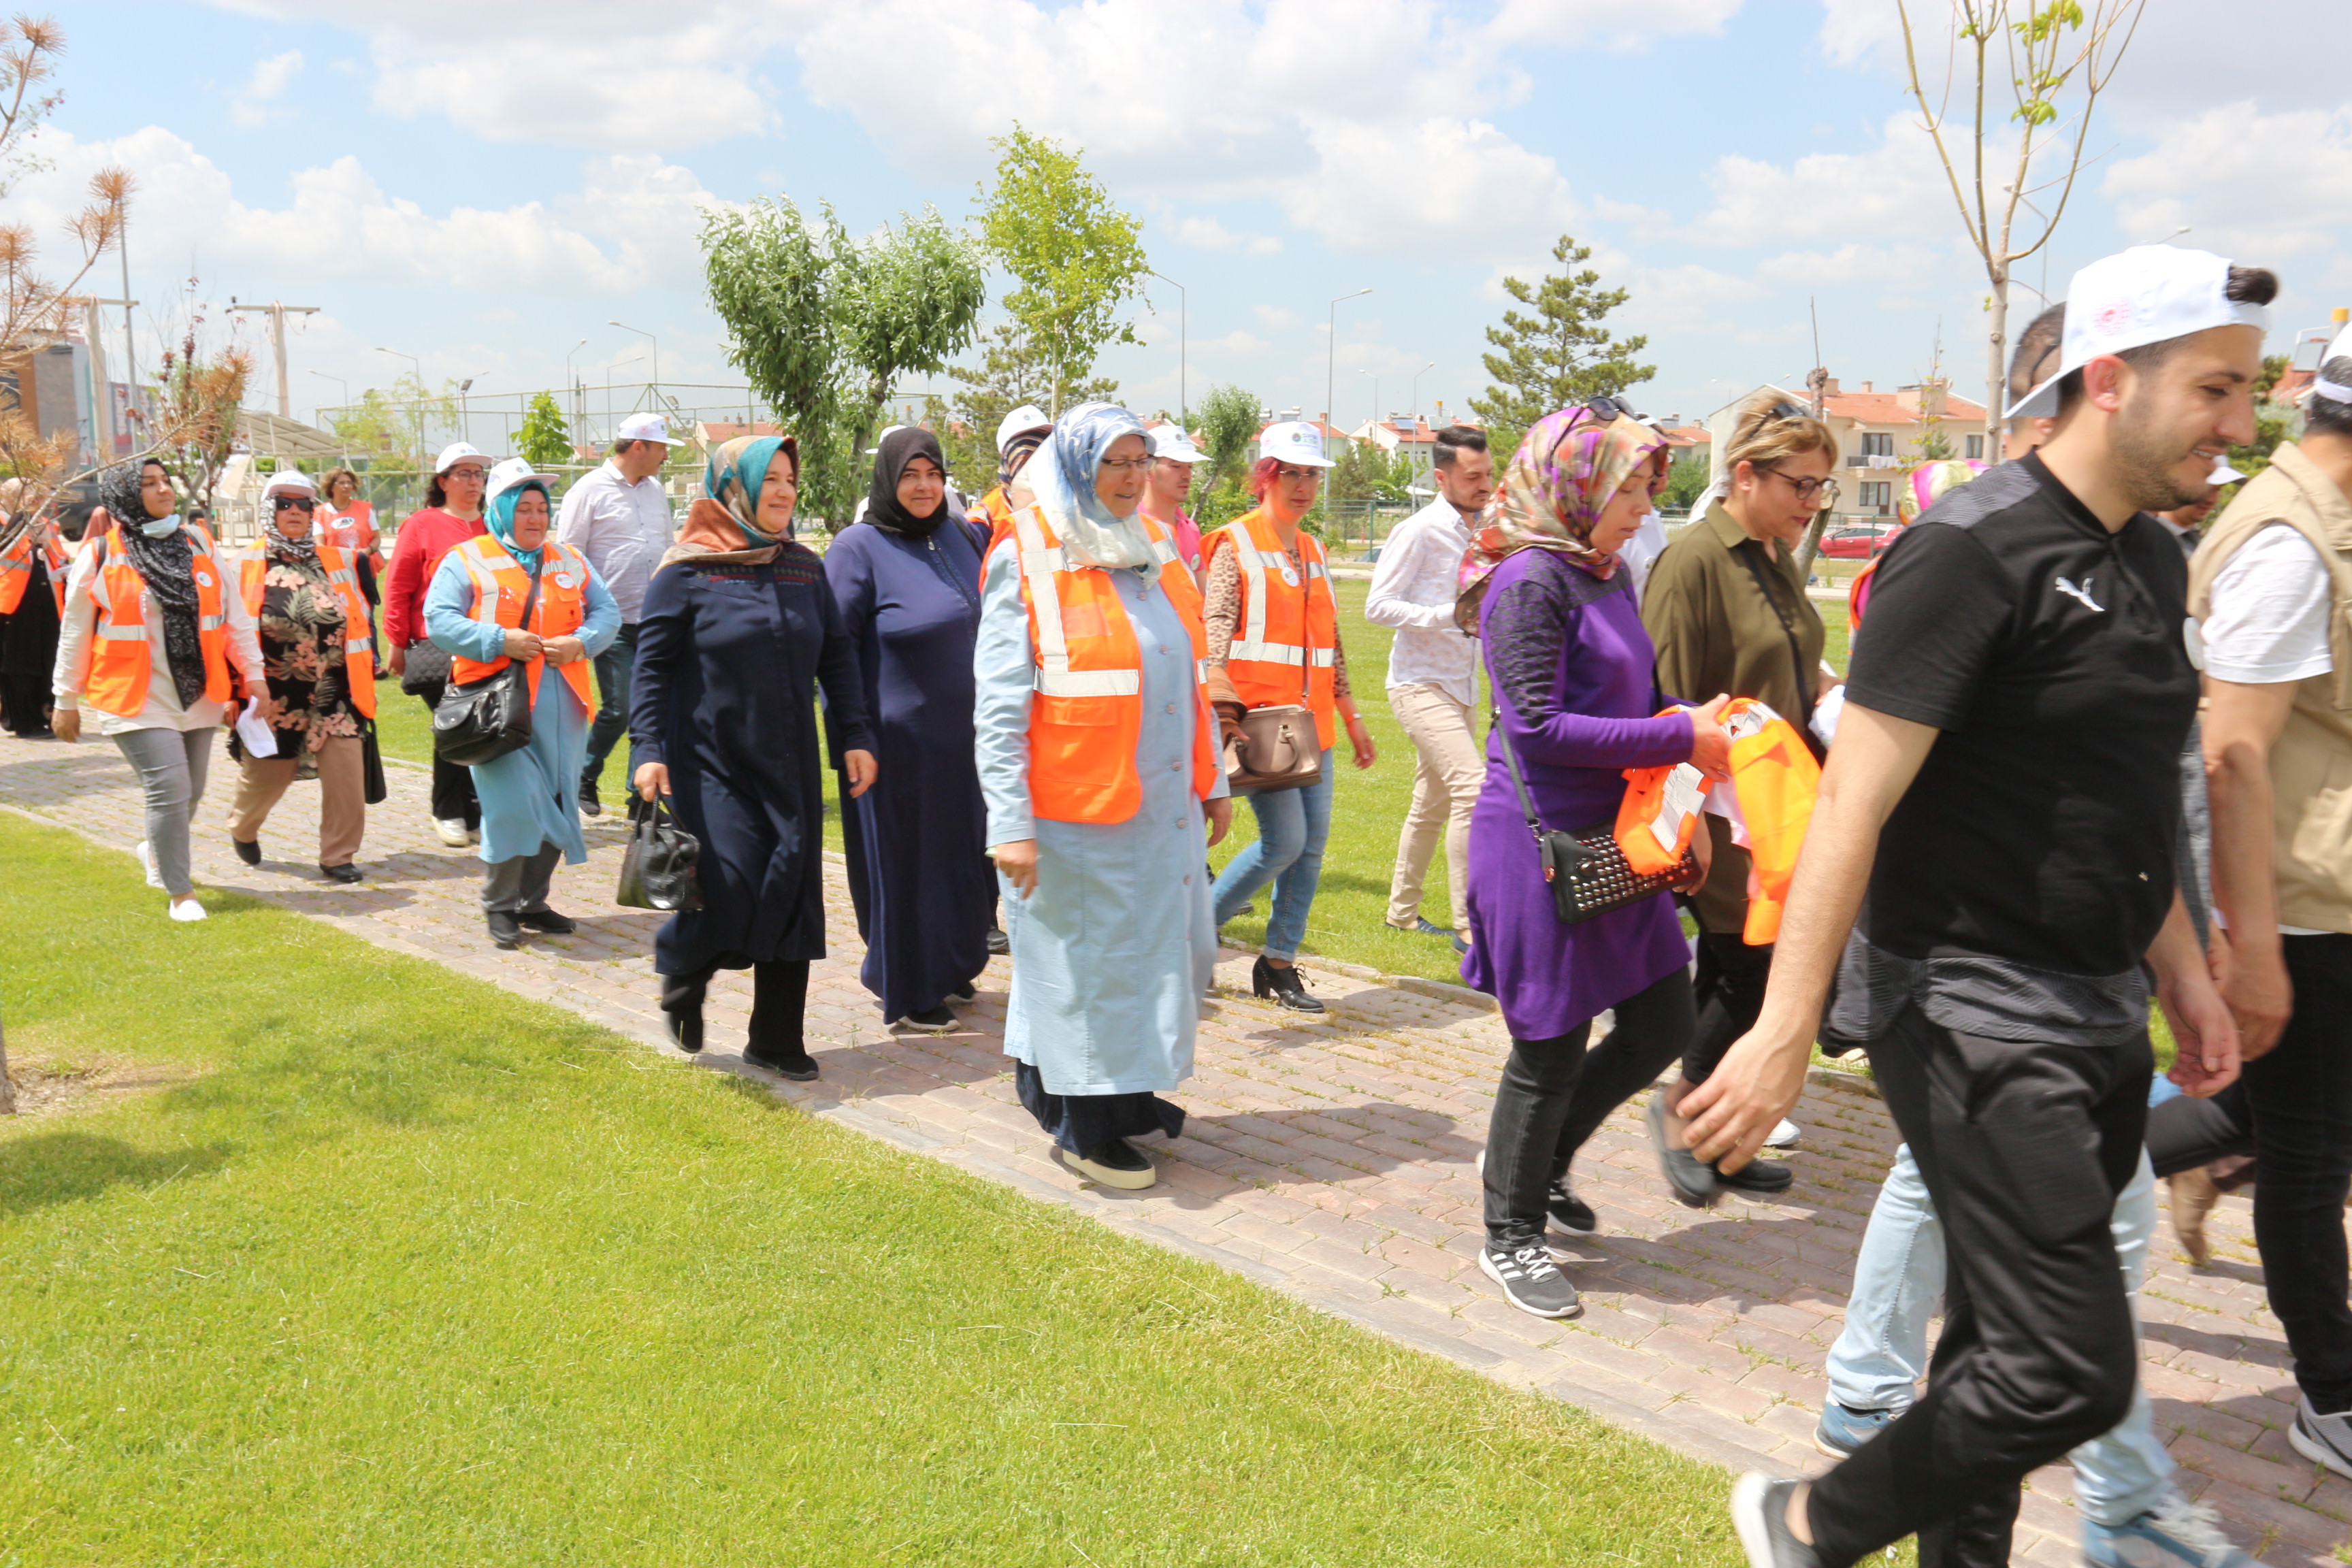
[1028, 416]
[2148, 294]
[456, 452]
[516, 470]
[1170, 442]
[647, 428]
[1293, 441]
[289, 480]
[2333, 391]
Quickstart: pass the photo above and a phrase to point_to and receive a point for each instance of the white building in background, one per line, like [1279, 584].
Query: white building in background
[1878, 434]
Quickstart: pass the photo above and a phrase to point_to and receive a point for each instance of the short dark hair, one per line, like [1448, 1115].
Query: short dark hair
[624, 445]
[2328, 415]
[1453, 440]
[2036, 352]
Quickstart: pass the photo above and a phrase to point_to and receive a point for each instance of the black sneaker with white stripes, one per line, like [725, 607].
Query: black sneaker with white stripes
[1530, 1280]
[1568, 1212]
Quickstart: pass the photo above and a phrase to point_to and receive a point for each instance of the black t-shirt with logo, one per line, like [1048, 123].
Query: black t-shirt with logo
[2050, 653]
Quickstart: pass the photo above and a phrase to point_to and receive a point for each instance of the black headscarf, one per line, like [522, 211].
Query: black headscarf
[900, 448]
[168, 567]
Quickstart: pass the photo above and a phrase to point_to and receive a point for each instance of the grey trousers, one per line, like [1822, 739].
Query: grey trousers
[172, 765]
[520, 886]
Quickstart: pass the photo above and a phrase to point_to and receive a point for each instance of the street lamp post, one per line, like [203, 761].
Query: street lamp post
[339, 380]
[649, 338]
[1331, 347]
[571, 384]
[1183, 402]
[1376, 396]
[1424, 370]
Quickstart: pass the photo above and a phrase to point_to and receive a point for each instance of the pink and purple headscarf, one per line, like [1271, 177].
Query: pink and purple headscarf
[1554, 491]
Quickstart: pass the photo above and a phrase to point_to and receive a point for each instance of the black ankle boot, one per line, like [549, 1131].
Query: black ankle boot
[1283, 986]
[685, 1030]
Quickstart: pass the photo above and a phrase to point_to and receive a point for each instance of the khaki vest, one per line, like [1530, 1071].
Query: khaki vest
[2311, 761]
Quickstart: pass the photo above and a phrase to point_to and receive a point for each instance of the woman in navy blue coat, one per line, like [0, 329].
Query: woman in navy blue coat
[738, 630]
[906, 581]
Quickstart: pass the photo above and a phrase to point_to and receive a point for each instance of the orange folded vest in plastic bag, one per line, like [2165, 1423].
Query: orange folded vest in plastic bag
[1775, 780]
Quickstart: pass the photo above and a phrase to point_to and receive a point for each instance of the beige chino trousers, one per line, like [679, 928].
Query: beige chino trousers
[1449, 768]
[342, 797]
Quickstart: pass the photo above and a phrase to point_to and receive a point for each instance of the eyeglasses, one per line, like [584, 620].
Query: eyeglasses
[469, 473]
[292, 503]
[1288, 472]
[1808, 489]
[1125, 464]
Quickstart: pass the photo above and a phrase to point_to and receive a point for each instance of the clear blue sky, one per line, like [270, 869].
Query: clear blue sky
[483, 185]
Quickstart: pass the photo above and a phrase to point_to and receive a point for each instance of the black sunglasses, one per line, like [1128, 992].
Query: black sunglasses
[1778, 411]
[1611, 408]
[292, 503]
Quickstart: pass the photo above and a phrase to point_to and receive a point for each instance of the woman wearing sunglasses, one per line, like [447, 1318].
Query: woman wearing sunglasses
[1726, 608]
[1274, 641]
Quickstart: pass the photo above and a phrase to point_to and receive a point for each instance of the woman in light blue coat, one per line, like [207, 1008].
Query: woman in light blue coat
[530, 811]
[1112, 944]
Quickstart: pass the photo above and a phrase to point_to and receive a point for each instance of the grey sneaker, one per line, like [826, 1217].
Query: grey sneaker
[2321, 1439]
[1759, 1511]
[1531, 1281]
[2178, 1534]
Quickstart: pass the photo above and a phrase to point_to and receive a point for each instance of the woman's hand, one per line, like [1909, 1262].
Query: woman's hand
[399, 661]
[1018, 861]
[650, 780]
[861, 768]
[523, 644]
[65, 723]
[564, 650]
[1220, 813]
[1361, 740]
[1229, 723]
[1702, 850]
[1710, 747]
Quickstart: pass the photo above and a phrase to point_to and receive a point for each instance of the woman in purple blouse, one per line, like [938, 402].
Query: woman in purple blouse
[1574, 683]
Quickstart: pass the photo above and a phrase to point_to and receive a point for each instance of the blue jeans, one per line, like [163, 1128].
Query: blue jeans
[613, 667]
[1898, 1285]
[1292, 825]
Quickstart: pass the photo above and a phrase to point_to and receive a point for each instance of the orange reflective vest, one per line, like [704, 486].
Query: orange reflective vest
[16, 570]
[1285, 647]
[118, 663]
[500, 588]
[993, 511]
[359, 652]
[352, 532]
[1087, 711]
[1775, 779]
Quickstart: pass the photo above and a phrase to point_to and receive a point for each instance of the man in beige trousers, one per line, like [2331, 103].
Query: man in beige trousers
[1433, 678]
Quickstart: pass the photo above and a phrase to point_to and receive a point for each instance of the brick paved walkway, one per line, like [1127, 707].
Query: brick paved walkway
[1333, 1160]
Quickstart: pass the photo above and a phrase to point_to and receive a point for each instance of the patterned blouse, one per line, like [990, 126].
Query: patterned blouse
[302, 631]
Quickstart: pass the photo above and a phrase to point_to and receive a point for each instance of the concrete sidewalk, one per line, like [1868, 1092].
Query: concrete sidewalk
[1332, 1159]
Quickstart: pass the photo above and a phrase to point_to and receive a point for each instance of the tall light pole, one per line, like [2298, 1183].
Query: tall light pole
[1424, 370]
[1331, 347]
[339, 380]
[649, 338]
[571, 385]
[1376, 396]
[1183, 402]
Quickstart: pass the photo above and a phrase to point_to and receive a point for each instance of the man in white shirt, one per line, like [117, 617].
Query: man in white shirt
[619, 518]
[1433, 677]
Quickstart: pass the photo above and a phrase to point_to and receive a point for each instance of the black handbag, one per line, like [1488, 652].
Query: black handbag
[479, 721]
[424, 668]
[376, 789]
[1587, 868]
[657, 869]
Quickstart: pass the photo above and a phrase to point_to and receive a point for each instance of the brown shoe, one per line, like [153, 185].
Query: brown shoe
[2193, 1197]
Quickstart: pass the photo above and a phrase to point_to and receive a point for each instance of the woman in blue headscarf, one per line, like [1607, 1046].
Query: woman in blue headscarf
[474, 612]
[737, 627]
[1099, 763]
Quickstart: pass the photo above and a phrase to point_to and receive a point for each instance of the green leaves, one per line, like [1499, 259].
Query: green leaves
[1228, 422]
[1558, 354]
[544, 439]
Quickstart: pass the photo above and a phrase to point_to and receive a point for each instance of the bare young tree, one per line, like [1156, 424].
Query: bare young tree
[2047, 64]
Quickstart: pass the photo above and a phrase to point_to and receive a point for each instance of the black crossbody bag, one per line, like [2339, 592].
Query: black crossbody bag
[481, 721]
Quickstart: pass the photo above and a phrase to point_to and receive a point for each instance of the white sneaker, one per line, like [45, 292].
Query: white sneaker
[147, 861]
[451, 830]
[1784, 1136]
[185, 910]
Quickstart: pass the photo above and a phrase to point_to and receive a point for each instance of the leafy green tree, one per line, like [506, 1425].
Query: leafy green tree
[2274, 423]
[1227, 420]
[1074, 253]
[1010, 375]
[822, 324]
[1364, 472]
[1685, 481]
[544, 440]
[1559, 355]
[390, 426]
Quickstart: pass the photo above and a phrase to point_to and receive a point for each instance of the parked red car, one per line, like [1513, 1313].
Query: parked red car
[1861, 542]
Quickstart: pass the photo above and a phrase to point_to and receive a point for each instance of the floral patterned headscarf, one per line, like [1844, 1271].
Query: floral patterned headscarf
[1554, 491]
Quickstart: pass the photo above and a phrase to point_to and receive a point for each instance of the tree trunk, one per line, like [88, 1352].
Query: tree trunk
[1996, 356]
[1811, 544]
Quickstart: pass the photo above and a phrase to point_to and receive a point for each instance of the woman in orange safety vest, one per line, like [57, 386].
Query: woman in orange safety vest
[1098, 764]
[347, 521]
[474, 612]
[313, 624]
[1274, 641]
[157, 643]
[33, 566]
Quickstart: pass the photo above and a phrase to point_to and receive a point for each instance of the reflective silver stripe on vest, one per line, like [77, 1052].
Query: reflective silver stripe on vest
[1090, 682]
[210, 623]
[135, 632]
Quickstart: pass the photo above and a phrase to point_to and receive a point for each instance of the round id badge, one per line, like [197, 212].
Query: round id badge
[1290, 577]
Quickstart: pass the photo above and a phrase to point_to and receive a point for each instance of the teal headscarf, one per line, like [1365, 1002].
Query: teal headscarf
[733, 476]
[500, 518]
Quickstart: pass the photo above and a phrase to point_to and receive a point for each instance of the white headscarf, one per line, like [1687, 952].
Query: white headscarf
[1062, 477]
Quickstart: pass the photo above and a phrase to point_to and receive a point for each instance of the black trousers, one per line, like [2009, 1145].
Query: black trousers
[1554, 1093]
[779, 1004]
[2185, 1132]
[2300, 1097]
[1729, 990]
[2024, 1147]
[453, 784]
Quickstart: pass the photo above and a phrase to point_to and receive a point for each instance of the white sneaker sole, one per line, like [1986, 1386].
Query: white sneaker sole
[1787, 1135]
[947, 1029]
[1487, 1266]
[455, 839]
[187, 912]
[1131, 1181]
[2318, 1452]
[1749, 1496]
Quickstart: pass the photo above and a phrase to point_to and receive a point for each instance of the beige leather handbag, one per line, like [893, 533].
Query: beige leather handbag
[1278, 748]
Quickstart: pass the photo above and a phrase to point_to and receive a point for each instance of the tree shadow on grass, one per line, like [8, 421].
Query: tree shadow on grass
[47, 1168]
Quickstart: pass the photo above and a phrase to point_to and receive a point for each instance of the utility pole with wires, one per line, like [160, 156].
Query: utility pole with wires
[1817, 381]
[278, 314]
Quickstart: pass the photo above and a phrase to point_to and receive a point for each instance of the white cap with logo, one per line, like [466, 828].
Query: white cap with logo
[456, 452]
[1170, 442]
[1028, 416]
[514, 471]
[647, 428]
[2148, 294]
[289, 481]
[1293, 441]
[2333, 391]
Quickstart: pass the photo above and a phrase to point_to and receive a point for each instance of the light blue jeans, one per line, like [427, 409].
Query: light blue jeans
[1898, 1285]
[1292, 825]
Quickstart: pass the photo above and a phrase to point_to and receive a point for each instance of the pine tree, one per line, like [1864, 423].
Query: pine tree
[1559, 356]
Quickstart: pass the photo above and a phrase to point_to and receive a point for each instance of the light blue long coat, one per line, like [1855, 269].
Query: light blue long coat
[1112, 952]
[529, 797]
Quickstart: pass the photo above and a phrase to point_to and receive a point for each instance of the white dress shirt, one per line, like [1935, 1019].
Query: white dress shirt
[622, 527]
[1413, 589]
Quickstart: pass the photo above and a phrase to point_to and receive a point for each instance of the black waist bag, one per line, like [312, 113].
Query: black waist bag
[481, 721]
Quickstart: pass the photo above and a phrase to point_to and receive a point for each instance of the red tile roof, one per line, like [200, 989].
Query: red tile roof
[1888, 408]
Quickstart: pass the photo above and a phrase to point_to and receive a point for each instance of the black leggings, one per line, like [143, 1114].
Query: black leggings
[779, 1004]
[1555, 1092]
[1729, 991]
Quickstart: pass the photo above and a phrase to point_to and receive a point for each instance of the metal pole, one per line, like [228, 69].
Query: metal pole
[1183, 399]
[1332, 349]
[1424, 370]
[129, 352]
[649, 338]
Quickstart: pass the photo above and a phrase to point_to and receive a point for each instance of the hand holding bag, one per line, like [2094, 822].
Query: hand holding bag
[481, 721]
[657, 869]
[1587, 868]
[1278, 747]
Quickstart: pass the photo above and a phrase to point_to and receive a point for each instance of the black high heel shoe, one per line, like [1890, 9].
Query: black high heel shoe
[1283, 986]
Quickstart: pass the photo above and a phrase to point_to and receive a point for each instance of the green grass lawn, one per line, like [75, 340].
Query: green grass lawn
[396, 1267]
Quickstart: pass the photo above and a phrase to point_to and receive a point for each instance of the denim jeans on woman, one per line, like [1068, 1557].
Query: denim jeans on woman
[1898, 1285]
[1292, 825]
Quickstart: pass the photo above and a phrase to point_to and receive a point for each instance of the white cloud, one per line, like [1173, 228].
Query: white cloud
[1620, 24]
[2264, 188]
[1441, 183]
[1866, 33]
[268, 81]
[1208, 233]
[1275, 317]
[1895, 189]
[1237, 342]
[1852, 263]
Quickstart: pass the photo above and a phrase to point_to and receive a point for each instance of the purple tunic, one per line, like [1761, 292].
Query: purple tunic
[1576, 686]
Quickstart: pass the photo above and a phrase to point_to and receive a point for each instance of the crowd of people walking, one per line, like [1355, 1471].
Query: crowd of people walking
[2091, 755]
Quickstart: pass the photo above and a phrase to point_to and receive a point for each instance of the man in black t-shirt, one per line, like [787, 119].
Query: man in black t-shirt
[2005, 791]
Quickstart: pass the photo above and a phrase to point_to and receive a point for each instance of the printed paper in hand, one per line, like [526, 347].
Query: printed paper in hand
[260, 740]
[1684, 793]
